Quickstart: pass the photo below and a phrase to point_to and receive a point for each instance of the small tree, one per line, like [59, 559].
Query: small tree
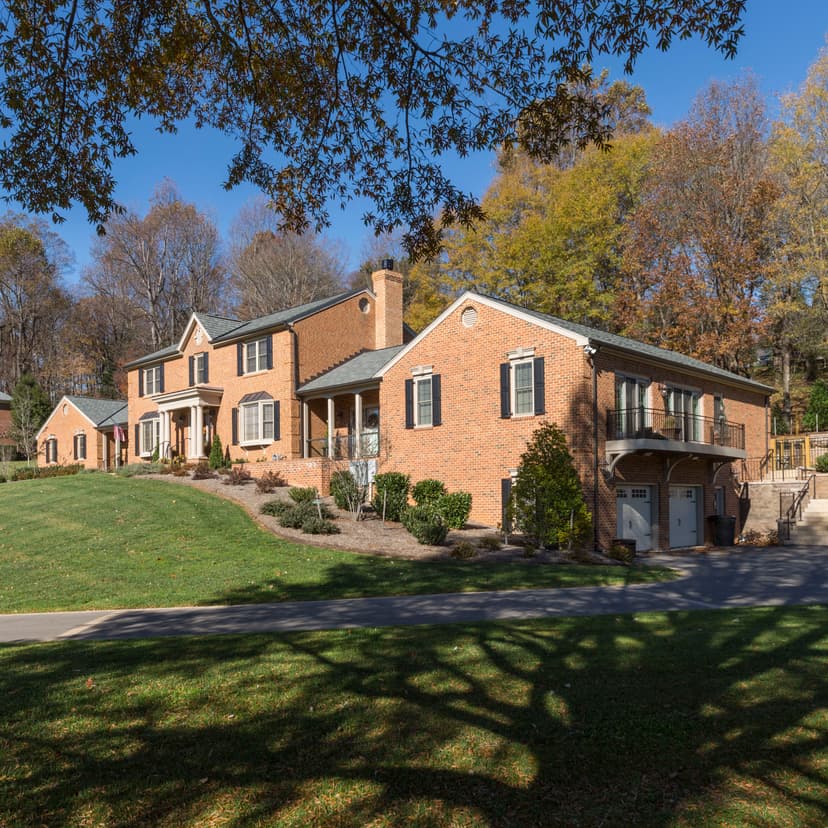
[30, 408]
[216, 459]
[816, 414]
[547, 500]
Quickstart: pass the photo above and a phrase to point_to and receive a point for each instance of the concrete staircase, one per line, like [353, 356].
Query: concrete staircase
[813, 529]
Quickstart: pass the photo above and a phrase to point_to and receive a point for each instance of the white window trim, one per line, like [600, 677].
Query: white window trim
[156, 422]
[620, 376]
[77, 435]
[261, 356]
[260, 440]
[198, 368]
[420, 377]
[155, 373]
[513, 363]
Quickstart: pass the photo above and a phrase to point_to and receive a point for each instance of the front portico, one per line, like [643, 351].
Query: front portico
[193, 409]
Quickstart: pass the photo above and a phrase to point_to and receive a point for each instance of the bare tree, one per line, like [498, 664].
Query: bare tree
[271, 269]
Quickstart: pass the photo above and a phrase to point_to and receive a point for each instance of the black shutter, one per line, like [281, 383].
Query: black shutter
[161, 378]
[505, 494]
[276, 428]
[137, 440]
[205, 362]
[505, 390]
[540, 386]
[234, 414]
[75, 447]
[192, 371]
[436, 401]
[240, 358]
[269, 341]
[140, 382]
[409, 403]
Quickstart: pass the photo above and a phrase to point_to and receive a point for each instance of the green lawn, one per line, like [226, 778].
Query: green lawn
[99, 541]
[685, 719]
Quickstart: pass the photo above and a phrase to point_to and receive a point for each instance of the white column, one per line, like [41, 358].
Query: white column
[199, 431]
[166, 432]
[105, 450]
[358, 424]
[192, 441]
[118, 447]
[330, 427]
[305, 429]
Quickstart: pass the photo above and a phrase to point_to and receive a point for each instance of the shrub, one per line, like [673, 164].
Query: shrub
[428, 492]
[237, 477]
[547, 501]
[268, 482]
[426, 524]
[276, 508]
[491, 543]
[319, 526]
[821, 464]
[344, 489]
[455, 508]
[203, 472]
[298, 494]
[216, 459]
[38, 472]
[391, 494]
[463, 550]
[179, 471]
[622, 552]
[136, 469]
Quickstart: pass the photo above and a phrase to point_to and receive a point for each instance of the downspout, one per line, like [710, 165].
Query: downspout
[591, 350]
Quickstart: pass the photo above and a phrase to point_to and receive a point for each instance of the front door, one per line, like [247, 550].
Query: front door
[684, 516]
[635, 515]
[370, 431]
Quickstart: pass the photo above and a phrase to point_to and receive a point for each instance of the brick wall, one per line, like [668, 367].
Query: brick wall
[64, 423]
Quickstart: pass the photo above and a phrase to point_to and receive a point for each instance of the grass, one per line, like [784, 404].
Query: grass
[684, 719]
[100, 541]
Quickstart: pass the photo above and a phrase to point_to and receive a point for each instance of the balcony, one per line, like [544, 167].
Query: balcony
[344, 446]
[653, 431]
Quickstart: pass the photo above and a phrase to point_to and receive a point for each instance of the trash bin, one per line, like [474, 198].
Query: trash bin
[724, 529]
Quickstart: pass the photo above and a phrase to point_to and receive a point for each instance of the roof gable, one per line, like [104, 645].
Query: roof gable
[99, 412]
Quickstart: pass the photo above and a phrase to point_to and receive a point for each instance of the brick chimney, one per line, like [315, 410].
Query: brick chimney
[388, 288]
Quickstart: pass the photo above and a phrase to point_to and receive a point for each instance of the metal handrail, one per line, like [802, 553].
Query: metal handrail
[652, 423]
[793, 514]
[344, 446]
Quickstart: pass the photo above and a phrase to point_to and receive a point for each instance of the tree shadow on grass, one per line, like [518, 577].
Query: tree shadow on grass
[700, 718]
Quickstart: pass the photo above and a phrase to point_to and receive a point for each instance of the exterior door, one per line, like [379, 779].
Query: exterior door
[684, 516]
[635, 515]
[631, 402]
[370, 431]
[684, 406]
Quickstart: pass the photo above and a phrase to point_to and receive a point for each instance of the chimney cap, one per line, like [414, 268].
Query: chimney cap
[387, 264]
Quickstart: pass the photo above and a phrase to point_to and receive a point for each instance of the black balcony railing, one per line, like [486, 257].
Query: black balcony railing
[654, 424]
[344, 446]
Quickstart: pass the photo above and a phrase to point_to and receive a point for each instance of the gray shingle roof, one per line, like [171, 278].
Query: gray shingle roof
[360, 368]
[255, 396]
[283, 317]
[101, 412]
[164, 353]
[635, 347]
[217, 326]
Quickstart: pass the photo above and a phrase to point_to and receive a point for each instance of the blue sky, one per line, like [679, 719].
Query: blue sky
[781, 40]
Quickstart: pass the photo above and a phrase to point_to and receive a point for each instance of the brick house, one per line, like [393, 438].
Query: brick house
[654, 434]
[239, 380]
[85, 430]
[7, 449]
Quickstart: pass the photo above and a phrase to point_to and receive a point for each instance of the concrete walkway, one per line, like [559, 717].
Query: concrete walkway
[738, 578]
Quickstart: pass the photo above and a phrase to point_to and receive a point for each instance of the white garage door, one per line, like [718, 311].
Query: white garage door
[684, 516]
[634, 507]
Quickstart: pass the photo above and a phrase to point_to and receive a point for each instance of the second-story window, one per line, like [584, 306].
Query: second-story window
[199, 369]
[522, 384]
[423, 403]
[152, 380]
[255, 356]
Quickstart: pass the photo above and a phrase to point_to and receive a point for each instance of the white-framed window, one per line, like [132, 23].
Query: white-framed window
[51, 449]
[523, 387]
[150, 434]
[256, 422]
[80, 446]
[152, 380]
[255, 356]
[200, 368]
[423, 401]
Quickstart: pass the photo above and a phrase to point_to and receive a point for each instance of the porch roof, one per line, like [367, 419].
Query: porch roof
[359, 369]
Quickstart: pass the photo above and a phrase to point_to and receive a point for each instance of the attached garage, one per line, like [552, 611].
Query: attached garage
[634, 508]
[685, 505]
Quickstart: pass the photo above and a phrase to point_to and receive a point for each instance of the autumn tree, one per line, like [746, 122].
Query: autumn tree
[796, 297]
[30, 407]
[696, 253]
[552, 239]
[33, 302]
[325, 101]
[165, 265]
[272, 269]
[816, 414]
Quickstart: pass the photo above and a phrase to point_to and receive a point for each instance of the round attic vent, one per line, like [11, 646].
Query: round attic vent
[469, 317]
[364, 305]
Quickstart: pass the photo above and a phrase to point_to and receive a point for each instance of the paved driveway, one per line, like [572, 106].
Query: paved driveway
[739, 578]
